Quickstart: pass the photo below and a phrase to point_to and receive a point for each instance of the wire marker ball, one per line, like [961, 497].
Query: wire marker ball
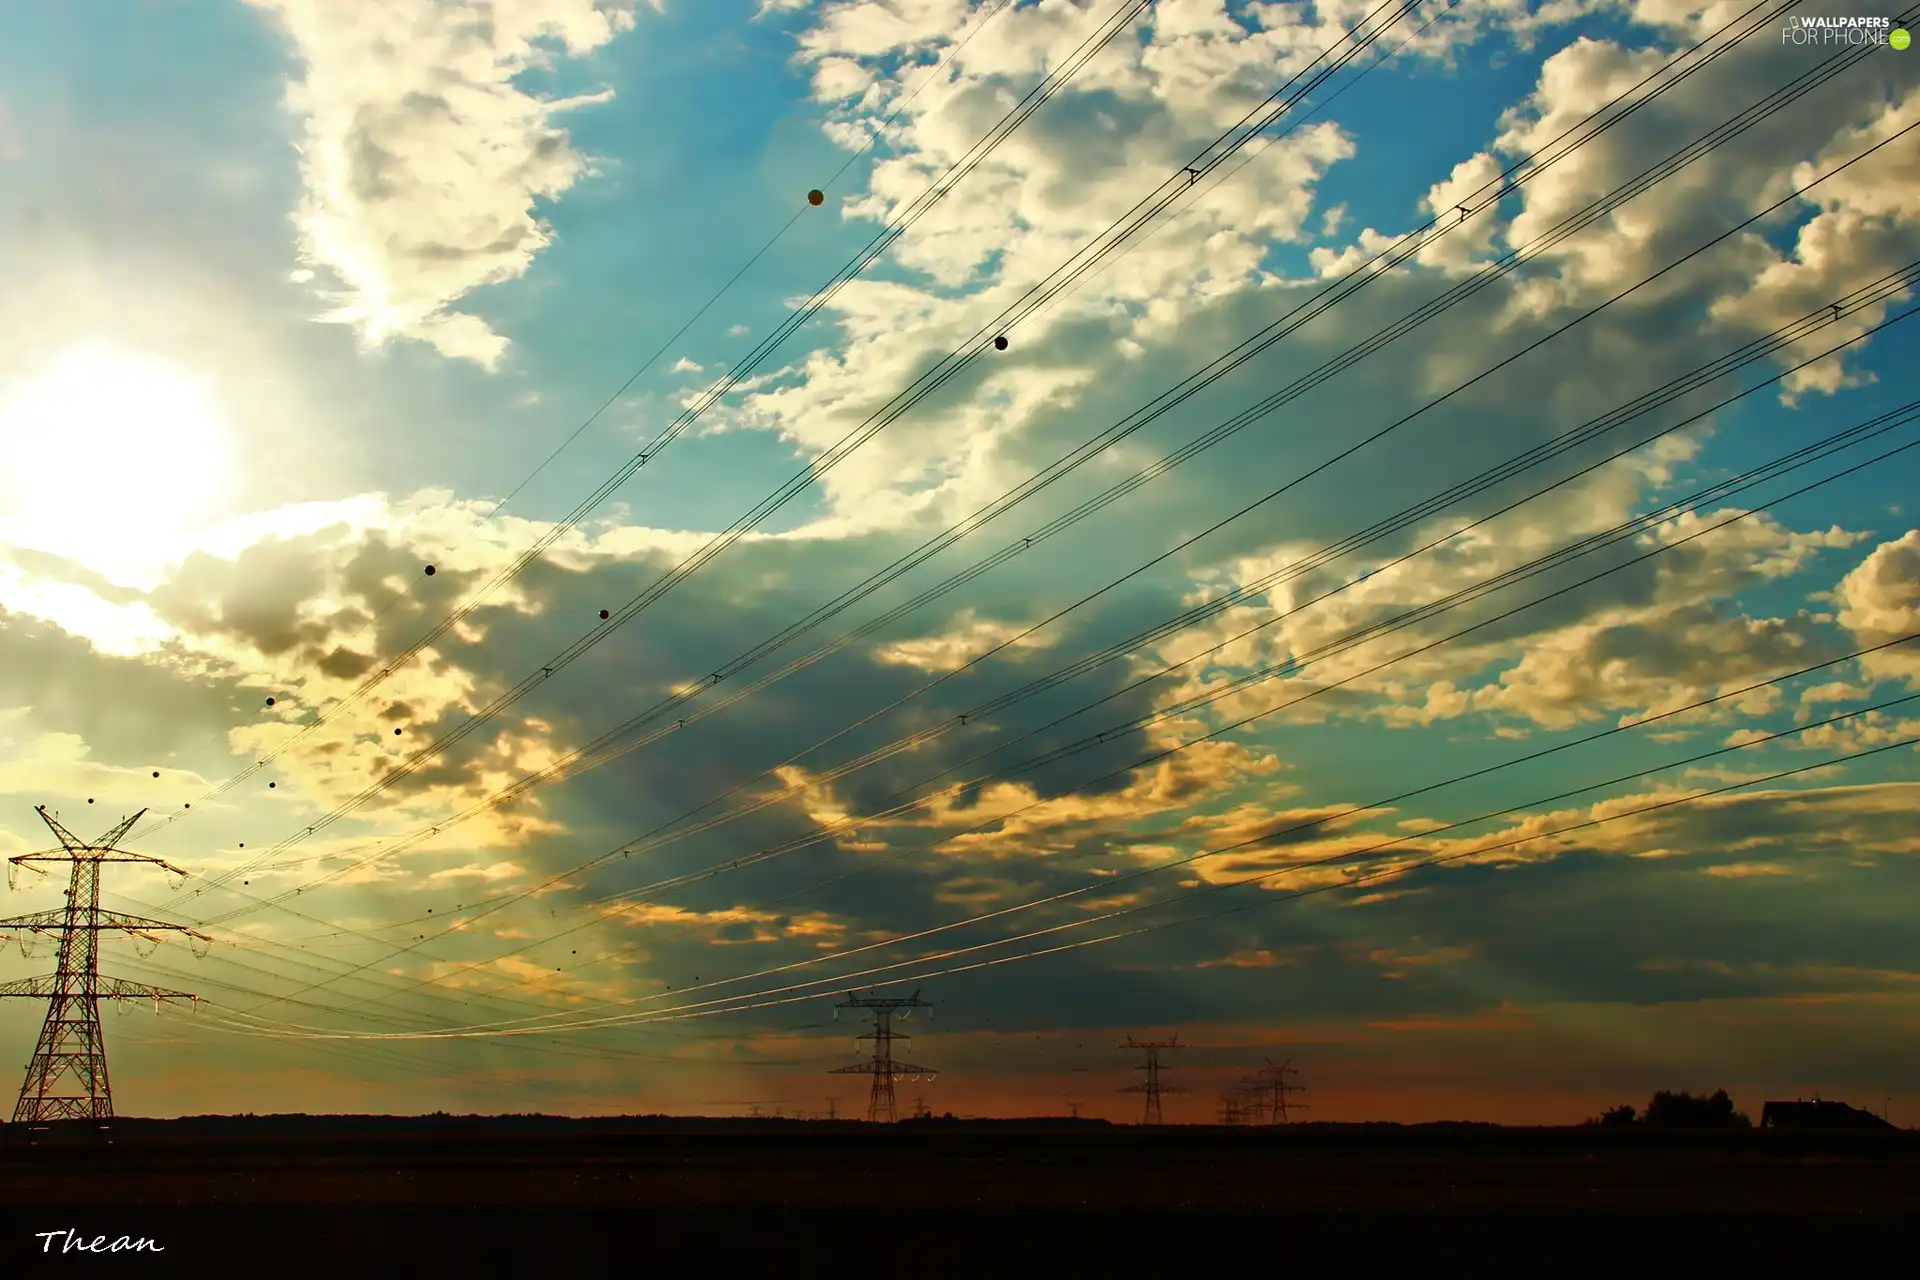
[604, 615]
[816, 197]
[431, 571]
[1000, 343]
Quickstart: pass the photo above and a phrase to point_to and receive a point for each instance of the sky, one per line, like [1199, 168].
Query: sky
[1424, 589]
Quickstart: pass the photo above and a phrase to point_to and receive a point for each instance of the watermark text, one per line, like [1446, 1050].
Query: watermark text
[73, 1242]
[1809, 29]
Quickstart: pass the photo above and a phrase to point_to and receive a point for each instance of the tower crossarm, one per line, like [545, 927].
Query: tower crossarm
[48, 985]
[69, 841]
[98, 918]
[891, 1004]
[74, 849]
[37, 921]
[908, 1069]
[96, 854]
[901, 1070]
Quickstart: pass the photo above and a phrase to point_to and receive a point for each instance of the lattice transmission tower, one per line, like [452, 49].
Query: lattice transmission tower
[1271, 1086]
[1152, 1086]
[67, 1079]
[881, 1106]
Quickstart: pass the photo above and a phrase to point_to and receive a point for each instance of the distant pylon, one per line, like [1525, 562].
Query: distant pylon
[1152, 1086]
[1272, 1087]
[881, 1107]
[67, 1079]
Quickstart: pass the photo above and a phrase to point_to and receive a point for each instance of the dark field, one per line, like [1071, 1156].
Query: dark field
[937, 1199]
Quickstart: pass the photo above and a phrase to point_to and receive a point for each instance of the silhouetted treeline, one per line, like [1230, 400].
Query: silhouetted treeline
[440, 1122]
[1668, 1110]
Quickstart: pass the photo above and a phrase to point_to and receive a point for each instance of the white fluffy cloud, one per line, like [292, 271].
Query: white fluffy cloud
[1880, 602]
[1655, 637]
[1130, 119]
[423, 158]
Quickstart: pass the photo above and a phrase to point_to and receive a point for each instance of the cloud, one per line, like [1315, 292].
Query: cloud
[967, 637]
[1066, 175]
[734, 925]
[1880, 602]
[1744, 870]
[1260, 959]
[423, 158]
[1649, 638]
[1397, 964]
[1866, 222]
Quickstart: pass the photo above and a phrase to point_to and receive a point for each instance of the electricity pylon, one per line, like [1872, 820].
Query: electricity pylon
[1152, 1086]
[881, 1106]
[1271, 1082]
[67, 1079]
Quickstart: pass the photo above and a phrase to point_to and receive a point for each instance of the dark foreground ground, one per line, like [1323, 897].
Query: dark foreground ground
[602, 1198]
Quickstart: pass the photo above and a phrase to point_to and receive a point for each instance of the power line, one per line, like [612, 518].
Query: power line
[1352, 882]
[897, 407]
[782, 996]
[1538, 166]
[311, 961]
[1326, 555]
[1642, 404]
[740, 371]
[1734, 485]
[598, 753]
[1109, 883]
[986, 14]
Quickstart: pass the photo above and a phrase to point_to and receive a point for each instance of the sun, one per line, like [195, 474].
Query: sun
[113, 457]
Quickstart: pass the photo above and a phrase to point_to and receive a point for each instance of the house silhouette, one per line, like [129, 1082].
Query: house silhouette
[1818, 1114]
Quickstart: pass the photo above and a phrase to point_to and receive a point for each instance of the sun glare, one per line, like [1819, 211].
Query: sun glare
[113, 457]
